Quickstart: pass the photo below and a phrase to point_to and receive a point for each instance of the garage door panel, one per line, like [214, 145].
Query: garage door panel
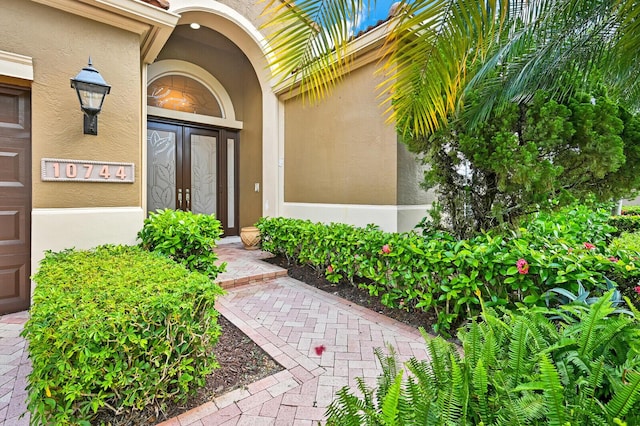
[15, 199]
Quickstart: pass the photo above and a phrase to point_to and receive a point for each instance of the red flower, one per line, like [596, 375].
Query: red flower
[329, 269]
[523, 266]
[386, 249]
[637, 289]
[614, 259]
[319, 349]
[589, 246]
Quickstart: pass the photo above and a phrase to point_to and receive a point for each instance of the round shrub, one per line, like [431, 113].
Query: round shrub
[185, 237]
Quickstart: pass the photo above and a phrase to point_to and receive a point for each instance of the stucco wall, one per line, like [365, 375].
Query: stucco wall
[340, 150]
[60, 44]
[222, 59]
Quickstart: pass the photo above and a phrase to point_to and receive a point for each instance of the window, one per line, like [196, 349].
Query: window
[181, 93]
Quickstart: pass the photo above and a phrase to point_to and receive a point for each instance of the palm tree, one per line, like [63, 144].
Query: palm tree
[441, 50]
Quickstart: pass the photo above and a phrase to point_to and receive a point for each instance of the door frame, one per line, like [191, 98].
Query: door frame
[182, 151]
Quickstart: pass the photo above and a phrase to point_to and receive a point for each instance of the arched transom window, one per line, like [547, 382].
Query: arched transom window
[182, 93]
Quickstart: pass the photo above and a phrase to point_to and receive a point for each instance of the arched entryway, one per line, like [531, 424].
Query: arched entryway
[229, 47]
[192, 143]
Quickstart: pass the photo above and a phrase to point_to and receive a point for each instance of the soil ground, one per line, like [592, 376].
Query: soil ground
[243, 362]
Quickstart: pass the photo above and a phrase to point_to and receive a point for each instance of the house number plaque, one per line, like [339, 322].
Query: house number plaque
[54, 169]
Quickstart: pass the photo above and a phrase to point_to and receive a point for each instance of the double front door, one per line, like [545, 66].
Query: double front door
[193, 168]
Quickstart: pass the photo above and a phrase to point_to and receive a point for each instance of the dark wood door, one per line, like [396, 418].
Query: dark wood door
[193, 168]
[15, 199]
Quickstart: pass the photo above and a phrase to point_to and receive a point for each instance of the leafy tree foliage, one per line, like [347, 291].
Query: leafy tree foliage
[530, 156]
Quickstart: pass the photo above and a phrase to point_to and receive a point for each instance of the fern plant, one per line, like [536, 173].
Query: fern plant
[518, 368]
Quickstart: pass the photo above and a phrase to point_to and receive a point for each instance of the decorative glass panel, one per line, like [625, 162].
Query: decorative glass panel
[161, 170]
[180, 93]
[231, 183]
[203, 174]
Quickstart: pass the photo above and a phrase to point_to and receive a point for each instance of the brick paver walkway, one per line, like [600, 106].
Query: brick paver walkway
[289, 320]
[14, 367]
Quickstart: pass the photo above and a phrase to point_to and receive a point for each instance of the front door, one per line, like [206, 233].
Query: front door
[15, 199]
[193, 168]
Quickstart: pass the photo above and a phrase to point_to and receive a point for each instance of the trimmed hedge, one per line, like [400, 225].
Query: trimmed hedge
[437, 272]
[631, 210]
[116, 329]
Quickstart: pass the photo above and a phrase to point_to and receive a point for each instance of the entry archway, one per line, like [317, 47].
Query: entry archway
[243, 32]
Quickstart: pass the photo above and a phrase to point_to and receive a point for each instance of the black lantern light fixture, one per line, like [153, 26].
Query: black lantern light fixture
[91, 89]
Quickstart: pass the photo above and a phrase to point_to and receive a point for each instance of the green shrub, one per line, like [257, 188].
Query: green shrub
[626, 241]
[116, 329]
[573, 225]
[517, 369]
[631, 210]
[439, 273]
[625, 223]
[185, 237]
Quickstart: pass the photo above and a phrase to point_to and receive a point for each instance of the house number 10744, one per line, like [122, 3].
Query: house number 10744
[86, 171]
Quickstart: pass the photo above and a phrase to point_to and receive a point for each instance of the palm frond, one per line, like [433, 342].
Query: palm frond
[431, 46]
[308, 42]
[559, 52]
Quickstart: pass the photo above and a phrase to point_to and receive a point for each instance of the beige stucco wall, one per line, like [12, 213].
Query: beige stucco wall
[222, 59]
[341, 150]
[60, 44]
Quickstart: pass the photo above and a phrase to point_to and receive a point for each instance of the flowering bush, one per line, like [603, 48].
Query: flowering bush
[441, 273]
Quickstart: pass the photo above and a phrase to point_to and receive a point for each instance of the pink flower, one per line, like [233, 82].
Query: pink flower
[614, 259]
[523, 266]
[589, 246]
[637, 289]
[319, 349]
[386, 249]
[329, 269]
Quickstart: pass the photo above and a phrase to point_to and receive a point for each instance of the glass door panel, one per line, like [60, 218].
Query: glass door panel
[162, 147]
[204, 174]
[231, 183]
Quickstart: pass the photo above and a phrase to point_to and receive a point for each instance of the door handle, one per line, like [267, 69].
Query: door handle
[188, 199]
[180, 198]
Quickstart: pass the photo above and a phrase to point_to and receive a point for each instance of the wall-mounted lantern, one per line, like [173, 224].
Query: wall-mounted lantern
[91, 89]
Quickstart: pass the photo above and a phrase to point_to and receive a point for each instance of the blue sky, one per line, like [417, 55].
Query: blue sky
[380, 11]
